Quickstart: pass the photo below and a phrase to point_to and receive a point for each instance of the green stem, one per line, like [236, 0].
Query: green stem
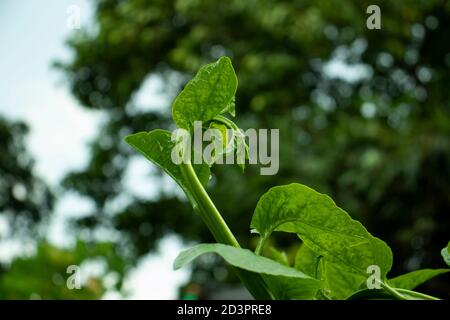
[404, 294]
[393, 291]
[417, 294]
[208, 210]
[226, 121]
[220, 230]
[260, 246]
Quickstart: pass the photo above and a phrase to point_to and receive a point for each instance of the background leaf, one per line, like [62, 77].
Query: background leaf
[445, 252]
[207, 95]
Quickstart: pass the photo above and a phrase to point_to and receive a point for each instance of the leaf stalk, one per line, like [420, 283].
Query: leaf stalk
[220, 230]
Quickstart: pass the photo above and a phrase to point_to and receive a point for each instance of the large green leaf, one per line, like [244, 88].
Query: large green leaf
[414, 279]
[207, 95]
[284, 282]
[325, 228]
[157, 147]
[445, 252]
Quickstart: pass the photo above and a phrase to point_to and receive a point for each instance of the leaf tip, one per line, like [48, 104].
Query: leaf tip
[128, 138]
[177, 264]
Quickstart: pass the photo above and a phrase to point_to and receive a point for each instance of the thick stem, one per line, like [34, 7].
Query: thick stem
[221, 232]
[260, 246]
[208, 210]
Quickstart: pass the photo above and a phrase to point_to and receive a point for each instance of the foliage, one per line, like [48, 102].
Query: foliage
[327, 230]
[24, 197]
[375, 138]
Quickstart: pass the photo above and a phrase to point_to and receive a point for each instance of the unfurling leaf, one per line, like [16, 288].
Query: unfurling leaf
[208, 94]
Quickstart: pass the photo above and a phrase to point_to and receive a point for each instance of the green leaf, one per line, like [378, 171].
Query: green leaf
[414, 279]
[284, 282]
[157, 147]
[325, 228]
[208, 94]
[231, 108]
[287, 288]
[445, 252]
[307, 261]
[338, 282]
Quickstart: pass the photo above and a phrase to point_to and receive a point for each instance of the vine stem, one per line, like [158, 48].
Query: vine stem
[417, 294]
[260, 246]
[400, 293]
[226, 121]
[393, 291]
[220, 230]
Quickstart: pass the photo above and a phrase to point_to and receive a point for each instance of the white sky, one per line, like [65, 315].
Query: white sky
[32, 34]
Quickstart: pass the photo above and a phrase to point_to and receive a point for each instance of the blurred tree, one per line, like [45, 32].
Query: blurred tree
[26, 204]
[363, 114]
[25, 199]
[45, 275]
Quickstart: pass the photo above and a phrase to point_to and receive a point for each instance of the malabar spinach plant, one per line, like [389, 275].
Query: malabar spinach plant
[338, 258]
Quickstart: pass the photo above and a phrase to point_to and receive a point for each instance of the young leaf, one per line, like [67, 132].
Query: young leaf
[157, 146]
[445, 252]
[325, 228]
[284, 282]
[415, 278]
[208, 94]
[238, 144]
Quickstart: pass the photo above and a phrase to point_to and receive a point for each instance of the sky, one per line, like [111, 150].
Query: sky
[32, 35]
